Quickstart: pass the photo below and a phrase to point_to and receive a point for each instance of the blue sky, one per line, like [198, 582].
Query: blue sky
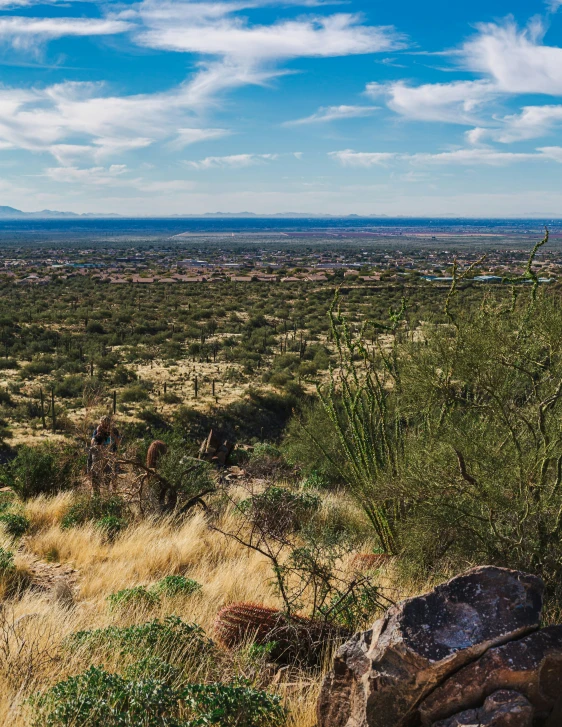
[177, 106]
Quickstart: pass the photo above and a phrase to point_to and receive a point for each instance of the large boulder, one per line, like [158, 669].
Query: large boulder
[505, 708]
[379, 677]
[532, 666]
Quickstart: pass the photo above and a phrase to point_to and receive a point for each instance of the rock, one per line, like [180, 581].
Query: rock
[379, 677]
[505, 708]
[532, 666]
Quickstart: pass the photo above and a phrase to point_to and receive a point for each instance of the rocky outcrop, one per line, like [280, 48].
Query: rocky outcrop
[504, 708]
[532, 666]
[381, 676]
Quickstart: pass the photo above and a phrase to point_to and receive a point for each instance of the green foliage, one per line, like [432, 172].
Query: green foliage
[135, 597]
[111, 525]
[44, 469]
[167, 639]
[236, 705]
[108, 512]
[278, 509]
[176, 586]
[6, 561]
[14, 524]
[133, 394]
[98, 698]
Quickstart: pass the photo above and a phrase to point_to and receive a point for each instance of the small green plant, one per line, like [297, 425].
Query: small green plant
[135, 597]
[176, 586]
[166, 639]
[14, 525]
[98, 698]
[96, 508]
[111, 525]
[232, 705]
[44, 469]
[6, 561]
[278, 509]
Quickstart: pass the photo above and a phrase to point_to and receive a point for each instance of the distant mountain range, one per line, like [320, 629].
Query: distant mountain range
[11, 213]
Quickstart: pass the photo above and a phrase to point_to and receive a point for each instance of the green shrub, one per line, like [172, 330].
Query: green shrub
[95, 508]
[6, 561]
[98, 698]
[43, 469]
[169, 639]
[176, 586]
[15, 525]
[133, 597]
[278, 509]
[232, 705]
[133, 394]
[111, 525]
[8, 363]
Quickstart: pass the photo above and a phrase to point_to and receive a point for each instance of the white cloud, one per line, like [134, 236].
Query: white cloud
[515, 60]
[209, 29]
[484, 156]
[94, 175]
[26, 33]
[187, 136]
[553, 5]
[73, 120]
[531, 123]
[350, 158]
[233, 161]
[457, 102]
[334, 113]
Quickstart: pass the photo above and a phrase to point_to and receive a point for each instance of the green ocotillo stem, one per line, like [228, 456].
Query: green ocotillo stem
[53, 410]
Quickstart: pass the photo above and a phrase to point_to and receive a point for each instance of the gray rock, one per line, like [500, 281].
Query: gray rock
[532, 666]
[379, 677]
[505, 708]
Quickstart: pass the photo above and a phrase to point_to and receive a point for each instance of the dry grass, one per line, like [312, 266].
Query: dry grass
[142, 555]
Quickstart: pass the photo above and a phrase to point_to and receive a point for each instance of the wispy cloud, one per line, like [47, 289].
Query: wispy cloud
[458, 102]
[73, 120]
[334, 113]
[233, 161]
[28, 33]
[490, 157]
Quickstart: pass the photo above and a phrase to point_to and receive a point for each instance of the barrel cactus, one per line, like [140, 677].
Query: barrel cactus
[292, 638]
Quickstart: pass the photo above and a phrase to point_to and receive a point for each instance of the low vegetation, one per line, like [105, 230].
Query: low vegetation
[377, 453]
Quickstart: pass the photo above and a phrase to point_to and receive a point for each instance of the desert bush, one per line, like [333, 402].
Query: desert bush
[232, 705]
[137, 597]
[280, 510]
[170, 639]
[176, 586]
[15, 525]
[105, 511]
[97, 698]
[133, 394]
[44, 469]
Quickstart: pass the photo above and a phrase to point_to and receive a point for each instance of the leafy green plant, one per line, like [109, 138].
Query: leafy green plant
[232, 705]
[43, 469]
[138, 596]
[98, 698]
[165, 638]
[280, 509]
[95, 508]
[176, 586]
[111, 525]
[15, 525]
[6, 561]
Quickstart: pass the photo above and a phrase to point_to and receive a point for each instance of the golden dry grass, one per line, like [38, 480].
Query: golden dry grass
[141, 555]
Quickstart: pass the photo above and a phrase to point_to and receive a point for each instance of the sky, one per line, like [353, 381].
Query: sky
[165, 107]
